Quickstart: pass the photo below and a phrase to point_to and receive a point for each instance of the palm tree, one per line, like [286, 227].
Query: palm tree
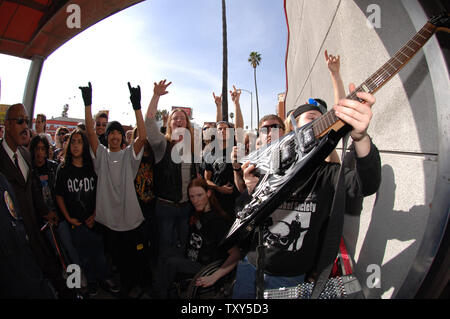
[224, 64]
[65, 110]
[255, 59]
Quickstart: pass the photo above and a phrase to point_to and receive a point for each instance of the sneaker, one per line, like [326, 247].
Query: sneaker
[93, 289]
[109, 286]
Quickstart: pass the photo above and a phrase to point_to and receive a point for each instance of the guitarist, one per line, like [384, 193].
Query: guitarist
[287, 259]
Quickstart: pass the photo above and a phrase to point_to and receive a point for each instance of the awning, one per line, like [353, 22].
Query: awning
[31, 28]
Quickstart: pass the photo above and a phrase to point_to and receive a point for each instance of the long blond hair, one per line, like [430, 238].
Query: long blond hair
[188, 127]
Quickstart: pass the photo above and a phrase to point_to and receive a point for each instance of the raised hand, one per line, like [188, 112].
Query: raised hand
[86, 92]
[161, 88]
[135, 96]
[217, 99]
[235, 94]
[333, 62]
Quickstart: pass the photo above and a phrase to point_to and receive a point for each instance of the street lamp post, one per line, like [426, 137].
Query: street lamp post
[251, 107]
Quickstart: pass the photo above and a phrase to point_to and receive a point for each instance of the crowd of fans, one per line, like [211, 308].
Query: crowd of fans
[138, 210]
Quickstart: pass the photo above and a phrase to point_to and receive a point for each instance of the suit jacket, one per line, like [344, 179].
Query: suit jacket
[30, 200]
[20, 274]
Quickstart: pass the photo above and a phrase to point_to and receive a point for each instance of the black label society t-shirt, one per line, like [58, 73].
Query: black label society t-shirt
[77, 185]
[293, 233]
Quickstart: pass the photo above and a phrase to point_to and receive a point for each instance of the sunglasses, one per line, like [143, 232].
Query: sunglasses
[267, 128]
[21, 120]
[100, 124]
[63, 133]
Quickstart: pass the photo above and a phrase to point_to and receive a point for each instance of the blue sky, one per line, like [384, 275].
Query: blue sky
[177, 40]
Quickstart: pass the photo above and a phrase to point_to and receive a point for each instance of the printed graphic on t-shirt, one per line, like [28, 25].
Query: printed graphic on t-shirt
[144, 182]
[85, 185]
[195, 243]
[46, 193]
[289, 224]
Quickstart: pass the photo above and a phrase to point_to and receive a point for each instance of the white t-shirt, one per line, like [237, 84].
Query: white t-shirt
[117, 206]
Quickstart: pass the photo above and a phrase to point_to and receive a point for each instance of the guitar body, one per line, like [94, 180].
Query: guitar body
[345, 287]
[283, 166]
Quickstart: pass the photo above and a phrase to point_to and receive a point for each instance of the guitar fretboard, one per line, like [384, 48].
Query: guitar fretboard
[330, 121]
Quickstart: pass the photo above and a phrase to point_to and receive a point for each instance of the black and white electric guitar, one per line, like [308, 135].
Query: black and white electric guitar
[287, 163]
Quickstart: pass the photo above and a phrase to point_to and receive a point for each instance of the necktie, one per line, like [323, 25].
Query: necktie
[16, 161]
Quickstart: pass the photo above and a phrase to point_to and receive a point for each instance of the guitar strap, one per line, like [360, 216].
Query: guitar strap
[330, 246]
[259, 277]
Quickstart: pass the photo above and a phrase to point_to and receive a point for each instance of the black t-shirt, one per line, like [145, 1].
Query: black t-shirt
[205, 234]
[47, 175]
[222, 173]
[77, 185]
[293, 233]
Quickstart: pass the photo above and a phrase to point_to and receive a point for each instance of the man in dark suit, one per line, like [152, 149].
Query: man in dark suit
[20, 275]
[15, 164]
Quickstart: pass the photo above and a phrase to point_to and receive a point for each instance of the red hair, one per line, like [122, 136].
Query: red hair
[201, 182]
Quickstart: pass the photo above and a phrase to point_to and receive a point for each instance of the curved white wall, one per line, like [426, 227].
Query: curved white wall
[406, 126]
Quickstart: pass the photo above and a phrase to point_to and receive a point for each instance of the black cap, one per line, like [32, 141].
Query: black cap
[308, 107]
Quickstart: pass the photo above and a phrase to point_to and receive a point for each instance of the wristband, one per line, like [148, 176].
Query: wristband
[237, 169]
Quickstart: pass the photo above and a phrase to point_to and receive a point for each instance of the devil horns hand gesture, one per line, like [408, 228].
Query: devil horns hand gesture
[135, 96]
[86, 92]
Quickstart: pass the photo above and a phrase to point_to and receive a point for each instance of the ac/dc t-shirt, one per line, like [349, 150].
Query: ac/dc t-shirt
[77, 186]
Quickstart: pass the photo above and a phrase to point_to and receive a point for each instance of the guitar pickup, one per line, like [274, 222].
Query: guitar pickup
[283, 157]
[307, 139]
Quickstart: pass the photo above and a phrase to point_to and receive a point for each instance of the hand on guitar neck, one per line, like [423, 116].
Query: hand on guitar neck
[358, 115]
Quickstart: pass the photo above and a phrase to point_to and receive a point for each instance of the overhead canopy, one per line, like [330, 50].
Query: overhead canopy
[31, 28]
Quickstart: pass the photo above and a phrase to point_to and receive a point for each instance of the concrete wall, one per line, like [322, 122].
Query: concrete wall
[404, 127]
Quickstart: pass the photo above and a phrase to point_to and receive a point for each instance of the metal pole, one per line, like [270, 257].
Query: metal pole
[29, 96]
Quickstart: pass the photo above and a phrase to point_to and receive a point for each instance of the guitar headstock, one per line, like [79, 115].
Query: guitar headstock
[441, 21]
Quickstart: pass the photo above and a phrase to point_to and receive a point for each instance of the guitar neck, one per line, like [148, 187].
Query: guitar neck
[330, 121]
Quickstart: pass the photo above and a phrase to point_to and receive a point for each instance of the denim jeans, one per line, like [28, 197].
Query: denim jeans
[63, 231]
[245, 286]
[89, 244]
[173, 228]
